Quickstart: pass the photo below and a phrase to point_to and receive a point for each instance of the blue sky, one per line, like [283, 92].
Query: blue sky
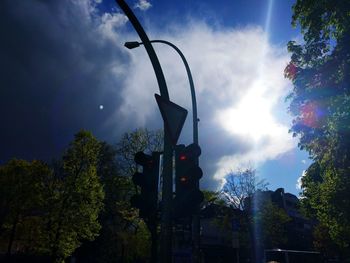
[274, 17]
[63, 60]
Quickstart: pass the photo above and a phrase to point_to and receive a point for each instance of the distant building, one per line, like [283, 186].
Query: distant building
[299, 229]
[225, 232]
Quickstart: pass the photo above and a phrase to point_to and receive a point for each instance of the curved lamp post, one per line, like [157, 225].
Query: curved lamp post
[166, 224]
[135, 44]
[196, 220]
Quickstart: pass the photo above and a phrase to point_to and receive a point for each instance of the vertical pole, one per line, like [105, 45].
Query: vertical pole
[286, 257]
[166, 226]
[167, 198]
[264, 256]
[154, 243]
[195, 217]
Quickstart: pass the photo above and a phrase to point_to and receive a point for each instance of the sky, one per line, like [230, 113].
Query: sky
[64, 67]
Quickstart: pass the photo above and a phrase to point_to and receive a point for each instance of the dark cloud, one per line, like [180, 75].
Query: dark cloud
[217, 144]
[56, 69]
[60, 60]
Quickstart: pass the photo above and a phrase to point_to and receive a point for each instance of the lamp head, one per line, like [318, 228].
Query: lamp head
[132, 44]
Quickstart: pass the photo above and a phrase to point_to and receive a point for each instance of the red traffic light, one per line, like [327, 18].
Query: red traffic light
[183, 157]
[183, 179]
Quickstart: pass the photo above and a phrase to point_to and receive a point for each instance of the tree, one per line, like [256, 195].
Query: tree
[75, 198]
[318, 69]
[124, 236]
[121, 229]
[139, 140]
[320, 104]
[21, 201]
[241, 185]
[271, 222]
[212, 197]
[238, 191]
[145, 141]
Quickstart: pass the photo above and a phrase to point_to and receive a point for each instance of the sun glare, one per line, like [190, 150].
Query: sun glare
[252, 116]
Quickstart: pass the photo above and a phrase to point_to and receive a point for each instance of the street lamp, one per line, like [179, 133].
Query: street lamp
[135, 44]
[131, 45]
[196, 220]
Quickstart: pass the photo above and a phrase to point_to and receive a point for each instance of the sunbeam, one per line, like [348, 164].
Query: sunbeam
[256, 201]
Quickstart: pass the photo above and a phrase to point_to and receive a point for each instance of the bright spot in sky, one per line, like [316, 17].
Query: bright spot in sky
[252, 116]
[101, 107]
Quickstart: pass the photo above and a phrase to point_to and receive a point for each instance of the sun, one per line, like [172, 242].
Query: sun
[252, 117]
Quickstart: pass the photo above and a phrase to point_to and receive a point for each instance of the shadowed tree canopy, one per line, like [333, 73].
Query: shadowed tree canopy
[272, 221]
[139, 140]
[51, 211]
[124, 236]
[21, 201]
[320, 104]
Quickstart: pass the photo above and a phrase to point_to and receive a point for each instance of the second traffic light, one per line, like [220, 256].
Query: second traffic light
[147, 200]
[187, 176]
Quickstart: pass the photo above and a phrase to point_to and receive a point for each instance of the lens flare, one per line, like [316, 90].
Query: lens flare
[312, 114]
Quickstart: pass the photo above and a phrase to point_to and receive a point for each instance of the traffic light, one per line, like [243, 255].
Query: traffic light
[187, 176]
[146, 200]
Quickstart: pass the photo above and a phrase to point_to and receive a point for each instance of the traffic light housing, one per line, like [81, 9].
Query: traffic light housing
[146, 201]
[187, 176]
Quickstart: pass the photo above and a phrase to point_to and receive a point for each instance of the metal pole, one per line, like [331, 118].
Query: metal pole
[195, 218]
[190, 80]
[166, 226]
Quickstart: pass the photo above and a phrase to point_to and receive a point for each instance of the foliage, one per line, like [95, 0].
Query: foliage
[121, 230]
[240, 185]
[212, 197]
[262, 223]
[133, 142]
[75, 198]
[124, 236]
[114, 217]
[80, 204]
[271, 222]
[325, 192]
[320, 104]
[323, 242]
[21, 201]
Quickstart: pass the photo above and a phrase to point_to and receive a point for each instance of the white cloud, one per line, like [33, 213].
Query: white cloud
[298, 184]
[143, 5]
[110, 23]
[239, 81]
[237, 73]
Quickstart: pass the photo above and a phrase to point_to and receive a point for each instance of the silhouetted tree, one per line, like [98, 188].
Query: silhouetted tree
[124, 237]
[240, 185]
[133, 142]
[320, 104]
[21, 201]
[271, 222]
